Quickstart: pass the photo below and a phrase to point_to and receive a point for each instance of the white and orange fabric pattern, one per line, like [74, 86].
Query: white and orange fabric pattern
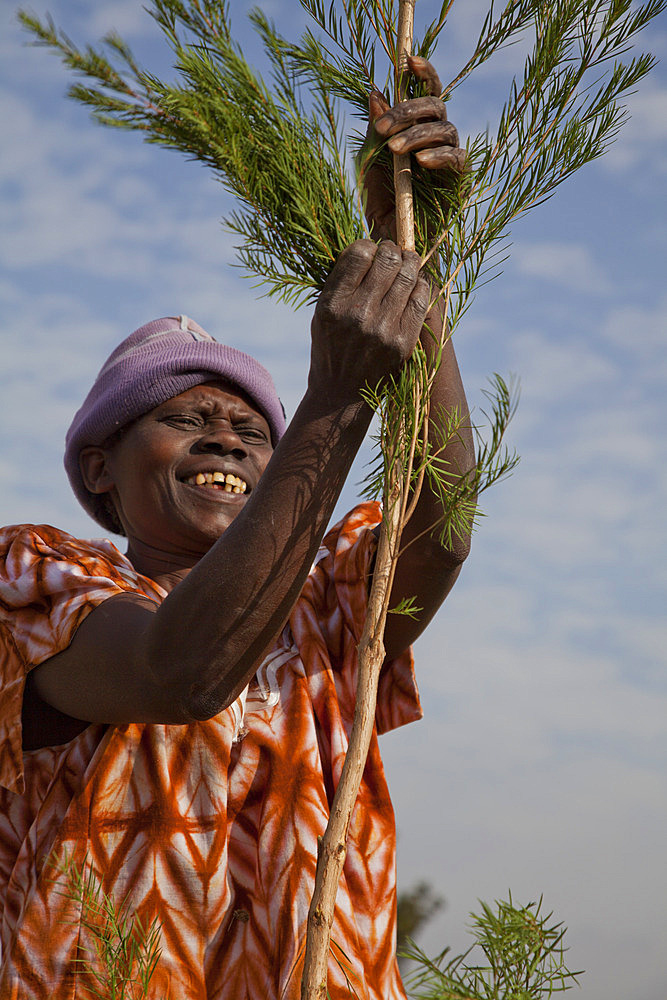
[210, 827]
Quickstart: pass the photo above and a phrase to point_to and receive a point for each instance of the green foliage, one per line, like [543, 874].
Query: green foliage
[401, 410]
[406, 606]
[563, 113]
[124, 953]
[522, 958]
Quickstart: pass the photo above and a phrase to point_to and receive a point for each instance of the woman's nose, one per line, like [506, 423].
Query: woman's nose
[221, 440]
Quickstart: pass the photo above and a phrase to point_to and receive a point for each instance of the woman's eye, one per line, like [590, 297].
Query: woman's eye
[252, 435]
[186, 420]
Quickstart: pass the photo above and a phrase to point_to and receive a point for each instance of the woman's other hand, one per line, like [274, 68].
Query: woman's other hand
[419, 126]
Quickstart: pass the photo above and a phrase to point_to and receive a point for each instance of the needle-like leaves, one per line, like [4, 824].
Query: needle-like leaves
[518, 954]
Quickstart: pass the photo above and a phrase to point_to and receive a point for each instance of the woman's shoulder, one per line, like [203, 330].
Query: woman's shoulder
[42, 552]
[29, 543]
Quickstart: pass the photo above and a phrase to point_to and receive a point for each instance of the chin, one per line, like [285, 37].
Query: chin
[207, 533]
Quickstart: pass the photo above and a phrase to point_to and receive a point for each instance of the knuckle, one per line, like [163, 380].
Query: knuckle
[384, 123]
[408, 275]
[432, 107]
[451, 133]
[420, 301]
[410, 113]
[424, 135]
[357, 319]
[325, 302]
[352, 263]
[442, 157]
[388, 253]
[422, 292]
[360, 250]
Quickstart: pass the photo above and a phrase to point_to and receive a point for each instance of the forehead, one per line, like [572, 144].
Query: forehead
[215, 395]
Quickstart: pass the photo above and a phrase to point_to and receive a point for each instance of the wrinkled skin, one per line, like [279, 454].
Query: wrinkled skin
[376, 295]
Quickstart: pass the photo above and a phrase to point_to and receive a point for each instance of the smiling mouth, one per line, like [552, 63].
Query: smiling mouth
[217, 481]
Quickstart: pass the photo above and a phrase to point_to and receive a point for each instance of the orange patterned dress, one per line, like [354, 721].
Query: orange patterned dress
[210, 827]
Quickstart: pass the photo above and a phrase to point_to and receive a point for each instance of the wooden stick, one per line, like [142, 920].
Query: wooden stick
[405, 220]
[332, 847]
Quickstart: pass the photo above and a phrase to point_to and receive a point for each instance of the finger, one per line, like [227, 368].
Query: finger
[411, 314]
[425, 136]
[377, 105]
[425, 71]
[351, 268]
[404, 282]
[386, 267]
[419, 302]
[443, 158]
[422, 109]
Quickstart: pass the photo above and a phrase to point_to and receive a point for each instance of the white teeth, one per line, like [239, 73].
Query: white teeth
[230, 483]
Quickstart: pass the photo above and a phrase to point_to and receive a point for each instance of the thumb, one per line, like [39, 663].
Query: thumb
[425, 71]
[377, 105]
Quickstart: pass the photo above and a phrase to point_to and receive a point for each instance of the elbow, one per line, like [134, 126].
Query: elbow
[201, 702]
[440, 559]
[456, 541]
[180, 695]
[449, 548]
[458, 550]
[199, 705]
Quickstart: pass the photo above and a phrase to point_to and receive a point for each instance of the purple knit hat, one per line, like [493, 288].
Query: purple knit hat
[155, 363]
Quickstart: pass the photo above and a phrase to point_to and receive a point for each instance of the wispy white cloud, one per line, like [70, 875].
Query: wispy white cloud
[81, 196]
[639, 330]
[640, 150]
[123, 16]
[574, 267]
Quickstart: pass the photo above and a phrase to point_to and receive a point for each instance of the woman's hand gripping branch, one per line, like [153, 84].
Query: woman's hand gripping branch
[420, 127]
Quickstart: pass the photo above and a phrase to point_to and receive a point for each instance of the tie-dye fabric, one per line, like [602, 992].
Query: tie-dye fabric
[211, 827]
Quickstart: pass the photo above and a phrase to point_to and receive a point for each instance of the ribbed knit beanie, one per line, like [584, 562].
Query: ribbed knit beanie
[155, 363]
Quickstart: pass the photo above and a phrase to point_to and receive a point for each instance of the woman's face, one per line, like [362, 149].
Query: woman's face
[181, 473]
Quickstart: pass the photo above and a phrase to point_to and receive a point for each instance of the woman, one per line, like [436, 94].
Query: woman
[187, 706]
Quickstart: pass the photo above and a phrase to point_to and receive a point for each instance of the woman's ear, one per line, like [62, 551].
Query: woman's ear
[94, 469]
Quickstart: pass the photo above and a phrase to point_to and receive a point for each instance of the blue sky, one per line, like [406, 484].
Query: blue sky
[540, 765]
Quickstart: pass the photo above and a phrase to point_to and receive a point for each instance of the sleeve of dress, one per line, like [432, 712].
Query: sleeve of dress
[351, 547]
[49, 582]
